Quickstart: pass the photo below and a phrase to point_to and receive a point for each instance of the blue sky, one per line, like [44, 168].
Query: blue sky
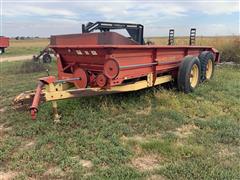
[47, 17]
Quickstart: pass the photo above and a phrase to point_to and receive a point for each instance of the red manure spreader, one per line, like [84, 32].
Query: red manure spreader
[4, 43]
[94, 63]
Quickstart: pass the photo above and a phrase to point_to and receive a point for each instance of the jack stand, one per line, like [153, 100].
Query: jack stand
[55, 112]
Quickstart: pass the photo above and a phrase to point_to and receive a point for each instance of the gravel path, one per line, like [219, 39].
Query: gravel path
[16, 58]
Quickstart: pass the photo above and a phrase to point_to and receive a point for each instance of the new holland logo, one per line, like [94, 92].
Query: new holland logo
[79, 52]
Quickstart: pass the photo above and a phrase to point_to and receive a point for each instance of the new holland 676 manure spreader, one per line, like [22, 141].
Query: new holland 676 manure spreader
[106, 62]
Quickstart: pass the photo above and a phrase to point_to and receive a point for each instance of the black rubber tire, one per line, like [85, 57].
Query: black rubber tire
[1, 50]
[203, 58]
[184, 71]
[47, 58]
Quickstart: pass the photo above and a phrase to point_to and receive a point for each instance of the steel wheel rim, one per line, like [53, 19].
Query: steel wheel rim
[194, 75]
[209, 69]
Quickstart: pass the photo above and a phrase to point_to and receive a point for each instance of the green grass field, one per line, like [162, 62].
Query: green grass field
[25, 47]
[155, 133]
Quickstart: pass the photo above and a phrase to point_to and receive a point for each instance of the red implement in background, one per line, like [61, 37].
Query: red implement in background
[4, 43]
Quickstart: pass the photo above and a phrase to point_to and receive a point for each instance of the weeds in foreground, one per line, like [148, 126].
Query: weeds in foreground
[231, 53]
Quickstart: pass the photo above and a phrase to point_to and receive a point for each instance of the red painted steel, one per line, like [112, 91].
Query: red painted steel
[111, 68]
[98, 55]
[36, 100]
[83, 77]
[101, 80]
[104, 38]
[4, 42]
[37, 96]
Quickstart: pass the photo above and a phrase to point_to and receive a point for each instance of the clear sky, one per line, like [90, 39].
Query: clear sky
[48, 17]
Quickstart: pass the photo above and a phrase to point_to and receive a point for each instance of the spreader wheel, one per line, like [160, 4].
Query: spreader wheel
[111, 68]
[207, 65]
[83, 78]
[189, 74]
[47, 58]
[101, 80]
[1, 50]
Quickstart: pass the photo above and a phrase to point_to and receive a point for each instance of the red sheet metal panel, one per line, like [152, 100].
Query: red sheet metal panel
[105, 38]
[4, 42]
[133, 62]
[110, 63]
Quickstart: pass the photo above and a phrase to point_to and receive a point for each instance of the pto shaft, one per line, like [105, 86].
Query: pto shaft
[36, 100]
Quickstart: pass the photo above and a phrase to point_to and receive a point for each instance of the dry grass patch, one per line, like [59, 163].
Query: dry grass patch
[25, 47]
[30, 144]
[27, 144]
[140, 139]
[146, 162]
[217, 41]
[136, 138]
[226, 152]
[42, 42]
[84, 163]
[145, 111]
[31, 67]
[54, 171]
[185, 130]
[4, 129]
[156, 177]
[134, 142]
[8, 175]
[3, 109]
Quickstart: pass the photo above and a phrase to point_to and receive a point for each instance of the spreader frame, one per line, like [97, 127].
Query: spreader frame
[53, 90]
